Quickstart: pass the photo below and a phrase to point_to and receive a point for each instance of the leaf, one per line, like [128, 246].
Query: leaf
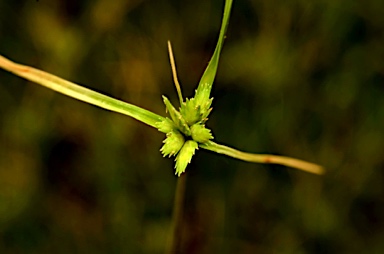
[264, 158]
[80, 93]
[205, 85]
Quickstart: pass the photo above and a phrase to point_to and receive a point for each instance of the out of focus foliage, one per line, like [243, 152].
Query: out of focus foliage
[299, 78]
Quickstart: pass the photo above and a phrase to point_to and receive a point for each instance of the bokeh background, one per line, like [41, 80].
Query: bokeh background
[298, 78]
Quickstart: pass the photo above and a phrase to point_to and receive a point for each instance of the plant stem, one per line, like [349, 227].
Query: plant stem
[177, 217]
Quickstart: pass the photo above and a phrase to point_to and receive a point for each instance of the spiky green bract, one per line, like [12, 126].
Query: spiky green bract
[166, 125]
[190, 111]
[177, 118]
[172, 144]
[196, 110]
[200, 133]
[185, 155]
[202, 100]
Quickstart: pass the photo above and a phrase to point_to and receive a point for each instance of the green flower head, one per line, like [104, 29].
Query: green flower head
[185, 155]
[200, 133]
[172, 144]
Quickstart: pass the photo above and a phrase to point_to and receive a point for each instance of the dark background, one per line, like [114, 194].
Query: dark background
[298, 78]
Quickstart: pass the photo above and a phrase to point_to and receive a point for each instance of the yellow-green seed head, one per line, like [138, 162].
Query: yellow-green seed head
[185, 155]
[172, 144]
[177, 118]
[190, 111]
[166, 125]
[200, 133]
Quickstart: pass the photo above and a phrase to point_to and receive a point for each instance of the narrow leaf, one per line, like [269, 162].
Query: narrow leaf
[78, 92]
[264, 158]
[205, 85]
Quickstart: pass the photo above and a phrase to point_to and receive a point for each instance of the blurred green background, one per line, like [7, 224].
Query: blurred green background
[298, 78]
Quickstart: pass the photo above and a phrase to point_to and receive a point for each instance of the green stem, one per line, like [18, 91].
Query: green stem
[177, 217]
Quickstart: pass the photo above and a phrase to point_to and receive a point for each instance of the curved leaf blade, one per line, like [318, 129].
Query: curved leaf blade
[80, 93]
[205, 85]
[264, 158]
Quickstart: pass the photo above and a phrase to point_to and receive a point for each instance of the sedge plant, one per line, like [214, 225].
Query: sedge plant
[185, 127]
